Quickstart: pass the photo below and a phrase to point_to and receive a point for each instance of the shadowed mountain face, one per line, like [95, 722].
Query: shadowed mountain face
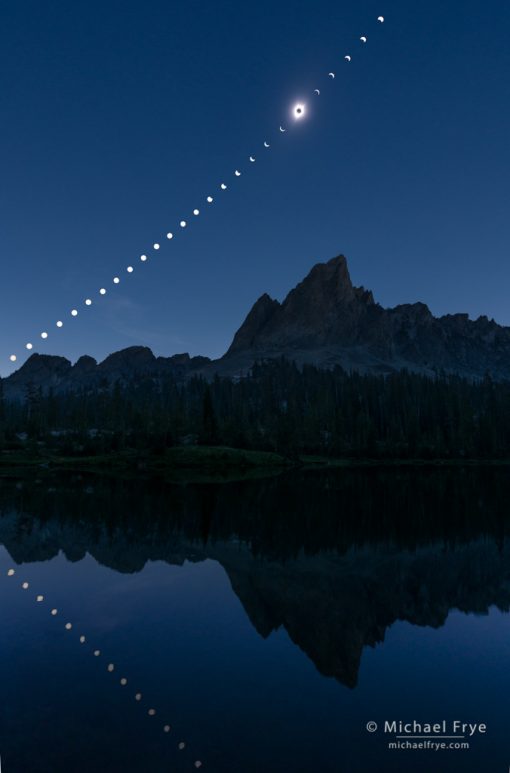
[327, 321]
[324, 320]
[323, 310]
[126, 366]
[334, 558]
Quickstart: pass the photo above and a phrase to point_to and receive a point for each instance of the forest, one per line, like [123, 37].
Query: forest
[276, 407]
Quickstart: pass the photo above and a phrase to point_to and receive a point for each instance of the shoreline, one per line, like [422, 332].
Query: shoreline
[210, 462]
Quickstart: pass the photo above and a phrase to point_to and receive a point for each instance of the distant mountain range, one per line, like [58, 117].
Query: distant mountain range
[325, 321]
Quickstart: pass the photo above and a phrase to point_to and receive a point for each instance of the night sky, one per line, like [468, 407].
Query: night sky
[118, 118]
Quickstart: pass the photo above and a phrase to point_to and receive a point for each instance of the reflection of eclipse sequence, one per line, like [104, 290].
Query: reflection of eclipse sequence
[110, 667]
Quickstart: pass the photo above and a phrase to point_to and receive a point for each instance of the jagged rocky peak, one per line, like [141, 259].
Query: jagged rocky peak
[261, 312]
[324, 320]
[321, 309]
[127, 365]
[326, 283]
[327, 321]
[327, 291]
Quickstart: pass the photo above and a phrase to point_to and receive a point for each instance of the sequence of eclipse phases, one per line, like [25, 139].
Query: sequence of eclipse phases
[298, 112]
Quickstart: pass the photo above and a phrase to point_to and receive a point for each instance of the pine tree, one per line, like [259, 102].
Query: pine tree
[209, 433]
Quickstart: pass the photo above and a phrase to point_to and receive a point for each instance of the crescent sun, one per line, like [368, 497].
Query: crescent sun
[316, 91]
[363, 39]
[282, 129]
[380, 18]
[347, 58]
[252, 159]
[331, 74]
[266, 144]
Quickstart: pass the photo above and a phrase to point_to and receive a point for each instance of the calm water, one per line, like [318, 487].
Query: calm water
[266, 621]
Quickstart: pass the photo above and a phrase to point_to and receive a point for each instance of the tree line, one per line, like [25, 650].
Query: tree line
[276, 407]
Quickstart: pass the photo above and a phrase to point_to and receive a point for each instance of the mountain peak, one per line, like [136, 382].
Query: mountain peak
[323, 308]
[324, 320]
[131, 358]
[40, 366]
[326, 286]
[261, 312]
[327, 321]
[333, 275]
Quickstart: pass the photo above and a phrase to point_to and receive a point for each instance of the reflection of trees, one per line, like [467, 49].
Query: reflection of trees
[334, 557]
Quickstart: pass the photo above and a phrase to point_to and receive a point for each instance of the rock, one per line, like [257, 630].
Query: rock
[128, 365]
[327, 321]
[324, 320]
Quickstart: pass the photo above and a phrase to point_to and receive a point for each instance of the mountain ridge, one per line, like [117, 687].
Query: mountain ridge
[325, 320]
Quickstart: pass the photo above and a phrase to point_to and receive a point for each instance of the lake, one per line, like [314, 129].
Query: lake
[267, 621]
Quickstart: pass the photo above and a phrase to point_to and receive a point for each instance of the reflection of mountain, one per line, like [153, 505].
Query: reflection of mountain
[304, 566]
[332, 607]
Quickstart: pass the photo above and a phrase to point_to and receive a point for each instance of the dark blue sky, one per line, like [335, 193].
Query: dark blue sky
[118, 118]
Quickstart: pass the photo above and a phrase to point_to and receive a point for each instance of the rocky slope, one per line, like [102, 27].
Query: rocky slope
[325, 320]
[128, 365]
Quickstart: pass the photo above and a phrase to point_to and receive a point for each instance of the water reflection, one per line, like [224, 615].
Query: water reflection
[332, 558]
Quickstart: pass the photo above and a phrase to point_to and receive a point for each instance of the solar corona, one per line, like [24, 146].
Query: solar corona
[298, 113]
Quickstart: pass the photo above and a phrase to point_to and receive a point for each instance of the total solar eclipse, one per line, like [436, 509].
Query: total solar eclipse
[298, 111]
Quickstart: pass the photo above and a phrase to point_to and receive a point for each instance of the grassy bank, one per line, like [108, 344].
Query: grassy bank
[324, 461]
[202, 462]
[179, 461]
